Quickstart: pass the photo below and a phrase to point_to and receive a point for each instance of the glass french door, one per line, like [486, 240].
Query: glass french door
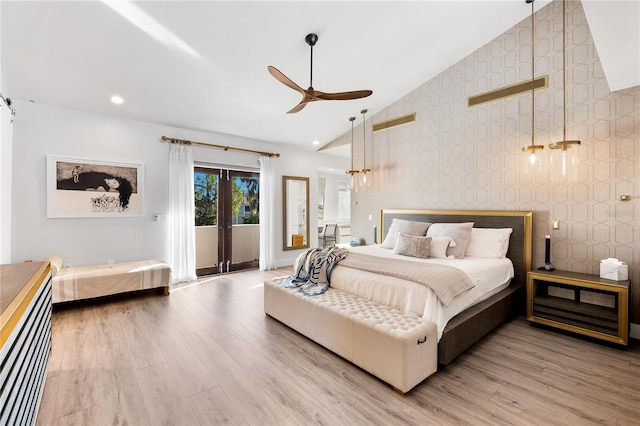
[227, 220]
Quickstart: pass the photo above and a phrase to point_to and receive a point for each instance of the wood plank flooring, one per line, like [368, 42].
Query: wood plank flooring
[208, 355]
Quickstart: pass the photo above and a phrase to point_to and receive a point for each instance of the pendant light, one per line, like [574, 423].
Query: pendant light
[353, 184]
[564, 154]
[532, 162]
[364, 170]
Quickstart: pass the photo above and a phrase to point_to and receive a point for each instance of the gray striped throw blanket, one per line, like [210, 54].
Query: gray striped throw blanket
[312, 270]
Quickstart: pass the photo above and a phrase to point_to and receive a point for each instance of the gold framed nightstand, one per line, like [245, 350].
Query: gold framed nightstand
[580, 303]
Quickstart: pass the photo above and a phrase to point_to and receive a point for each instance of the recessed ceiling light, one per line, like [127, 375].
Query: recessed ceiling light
[316, 142]
[117, 99]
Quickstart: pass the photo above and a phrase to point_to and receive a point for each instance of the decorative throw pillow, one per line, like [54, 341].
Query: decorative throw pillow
[406, 227]
[459, 232]
[439, 245]
[492, 243]
[414, 246]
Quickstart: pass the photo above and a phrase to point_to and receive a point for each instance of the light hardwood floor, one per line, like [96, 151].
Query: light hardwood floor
[208, 355]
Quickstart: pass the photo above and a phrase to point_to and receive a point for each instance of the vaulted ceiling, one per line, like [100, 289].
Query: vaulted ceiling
[203, 64]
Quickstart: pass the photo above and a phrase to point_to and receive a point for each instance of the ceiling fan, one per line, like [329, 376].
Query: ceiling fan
[311, 94]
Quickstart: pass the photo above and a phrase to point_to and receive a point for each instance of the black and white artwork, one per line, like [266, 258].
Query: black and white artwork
[93, 188]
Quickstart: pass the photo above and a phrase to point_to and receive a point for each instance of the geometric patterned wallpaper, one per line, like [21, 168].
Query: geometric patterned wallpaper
[454, 157]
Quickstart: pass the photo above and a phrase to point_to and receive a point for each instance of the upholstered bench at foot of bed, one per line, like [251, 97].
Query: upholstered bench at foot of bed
[395, 346]
[87, 282]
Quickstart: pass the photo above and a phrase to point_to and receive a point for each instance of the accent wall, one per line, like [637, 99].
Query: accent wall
[459, 157]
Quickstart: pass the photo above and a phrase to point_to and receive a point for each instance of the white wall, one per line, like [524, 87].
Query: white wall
[331, 197]
[6, 144]
[43, 129]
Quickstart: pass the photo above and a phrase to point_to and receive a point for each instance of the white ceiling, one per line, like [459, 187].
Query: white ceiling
[205, 66]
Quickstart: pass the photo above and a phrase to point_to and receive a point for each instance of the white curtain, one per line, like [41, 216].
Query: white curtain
[182, 238]
[267, 210]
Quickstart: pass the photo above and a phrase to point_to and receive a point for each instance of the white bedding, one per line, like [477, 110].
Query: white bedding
[489, 276]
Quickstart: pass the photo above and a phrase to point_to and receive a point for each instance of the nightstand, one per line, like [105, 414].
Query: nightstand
[580, 303]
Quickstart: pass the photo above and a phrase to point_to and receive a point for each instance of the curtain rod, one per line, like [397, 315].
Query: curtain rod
[212, 145]
[7, 101]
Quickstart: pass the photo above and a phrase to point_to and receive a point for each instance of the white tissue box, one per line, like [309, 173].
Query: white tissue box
[612, 271]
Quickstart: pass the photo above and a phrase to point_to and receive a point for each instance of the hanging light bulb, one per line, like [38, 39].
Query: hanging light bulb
[532, 162]
[353, 184]
[364, 170]
[564, 154]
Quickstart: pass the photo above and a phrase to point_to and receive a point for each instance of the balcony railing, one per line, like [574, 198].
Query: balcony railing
[245, 247]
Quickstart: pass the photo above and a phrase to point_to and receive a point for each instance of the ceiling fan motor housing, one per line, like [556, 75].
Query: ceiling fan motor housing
[311, 39]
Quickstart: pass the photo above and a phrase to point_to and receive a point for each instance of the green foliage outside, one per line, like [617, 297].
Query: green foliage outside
[244, 191]
[252, 218]
[206, 199]
[253, 199]
[237, 196]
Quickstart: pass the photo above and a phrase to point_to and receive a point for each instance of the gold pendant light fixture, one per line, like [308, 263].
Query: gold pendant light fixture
[364, 170]
[564, 155]
[533, 161]
[353, 184]
[362, 180]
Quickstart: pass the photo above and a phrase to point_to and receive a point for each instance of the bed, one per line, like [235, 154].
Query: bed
[359, 300]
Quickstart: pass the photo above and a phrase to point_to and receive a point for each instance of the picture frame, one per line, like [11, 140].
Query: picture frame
[85, 188]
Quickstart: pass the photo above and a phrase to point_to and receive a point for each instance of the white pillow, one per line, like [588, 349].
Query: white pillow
[439, 245]
[459, 232]
[491, 243]
[406, 227]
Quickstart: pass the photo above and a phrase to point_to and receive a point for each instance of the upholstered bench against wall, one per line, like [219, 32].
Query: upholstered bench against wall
[87, 282]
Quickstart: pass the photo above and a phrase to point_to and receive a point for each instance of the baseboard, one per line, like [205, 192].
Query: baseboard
[634, 331]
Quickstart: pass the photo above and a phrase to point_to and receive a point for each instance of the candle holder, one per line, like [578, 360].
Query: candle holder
[548, 266]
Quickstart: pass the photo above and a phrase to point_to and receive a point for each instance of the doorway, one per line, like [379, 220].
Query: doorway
[227, 215]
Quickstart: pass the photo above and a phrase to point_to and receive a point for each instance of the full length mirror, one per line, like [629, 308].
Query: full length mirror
[295, 208]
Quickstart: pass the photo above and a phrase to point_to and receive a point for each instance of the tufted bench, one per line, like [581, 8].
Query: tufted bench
[396, 346]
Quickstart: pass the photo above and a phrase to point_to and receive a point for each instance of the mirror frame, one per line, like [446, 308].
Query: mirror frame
[286, 245]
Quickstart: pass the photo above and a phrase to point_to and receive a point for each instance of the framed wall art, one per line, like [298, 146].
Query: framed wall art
[78, 187]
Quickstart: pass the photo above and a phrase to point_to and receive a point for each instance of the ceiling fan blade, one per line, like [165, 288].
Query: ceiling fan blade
[297, 107]
[284, 79]
[311, 95]
[343, 96]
